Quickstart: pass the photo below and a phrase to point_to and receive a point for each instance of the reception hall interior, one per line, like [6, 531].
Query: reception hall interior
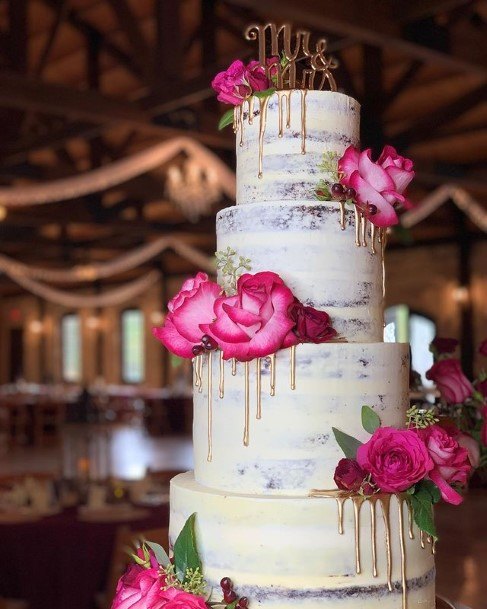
[112, 169]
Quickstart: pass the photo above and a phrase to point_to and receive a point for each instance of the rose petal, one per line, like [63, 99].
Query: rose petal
[172, 339]
[385, 216]
[374, 174]
[241, 316]
[348, 164]
[196, 310]
[448, 494]
[401, 178]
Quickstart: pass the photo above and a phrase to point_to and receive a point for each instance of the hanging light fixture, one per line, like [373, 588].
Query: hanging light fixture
[193, 188]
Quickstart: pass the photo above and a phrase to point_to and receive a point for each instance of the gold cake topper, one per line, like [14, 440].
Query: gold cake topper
[293, 51]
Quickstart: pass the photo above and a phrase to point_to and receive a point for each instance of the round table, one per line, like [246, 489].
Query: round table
[61, 562]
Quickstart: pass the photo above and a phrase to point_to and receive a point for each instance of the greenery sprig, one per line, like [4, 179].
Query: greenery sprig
[193, 582]
[231, 267]
[420, 418]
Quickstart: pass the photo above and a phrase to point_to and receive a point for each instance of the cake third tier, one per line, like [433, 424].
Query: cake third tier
[249, 441]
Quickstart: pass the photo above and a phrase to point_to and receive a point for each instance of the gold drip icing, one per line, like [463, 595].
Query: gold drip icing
[236, 118]
[403, 553]
[247, 405]
[273, 374]
[264, 103]
[410, 520]
[251, 110]
[258, 383]
[421, 537]
[293, 367]
[303, 121]
[241, 126]
[199, 365]
[373, 235]
[340, 503]
[385, 504]
[288, 109]
[221, 384]
[234, 366]
[357, 504]
[279, 111]
[363, 227]
[383, 258]
[357, 226]
[197, 376]
[372, 503]
[342, 214]
[433, 547]
[210, 407]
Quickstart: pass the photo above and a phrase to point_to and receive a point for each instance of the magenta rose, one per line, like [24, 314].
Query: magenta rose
[192, 306]
[451, 462]
[139, 588]
[272, 64]
[312, 326]
[379, 186]
[444, 345]
[255, 322]
[483, 348]
[349, 476]
[481, 387]
[256, 76]
[178, 599]
[232, 85]
[396, 458]
[483, 431]
[453, 385]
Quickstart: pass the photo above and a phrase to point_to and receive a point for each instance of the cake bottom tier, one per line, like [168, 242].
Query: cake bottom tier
[283, 551]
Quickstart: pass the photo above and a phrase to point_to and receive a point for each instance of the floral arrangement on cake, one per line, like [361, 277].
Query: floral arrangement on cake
[375, 188]
[239, 82]
[154, 581]
[462, 403]
[250, 316]
[426, 461]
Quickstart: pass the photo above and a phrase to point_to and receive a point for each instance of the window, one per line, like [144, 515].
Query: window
[133, 365]
[406, 326]
[71, 348]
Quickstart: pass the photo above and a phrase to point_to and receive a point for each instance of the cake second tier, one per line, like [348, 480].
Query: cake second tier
[249, 441]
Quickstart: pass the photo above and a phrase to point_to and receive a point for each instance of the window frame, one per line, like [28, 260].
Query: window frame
[123, 378]
[76, 315]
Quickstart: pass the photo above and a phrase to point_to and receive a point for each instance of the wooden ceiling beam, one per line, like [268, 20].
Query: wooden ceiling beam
[414, 10]
[31, 94]
[367, 21]
[431, 123]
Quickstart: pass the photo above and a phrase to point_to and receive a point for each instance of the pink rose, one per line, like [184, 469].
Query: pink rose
[255, 322]
[378, 186]
[483, 348]
[272, 64]
[178, 599]
[451, 462]
[483, 431]
[312, 326]
[256, 76]
[453, 385]
[396, 458]
[481, 387]
[192, 306]
[349, 476]
[444, 345]
[232, 85]
[464, 439]
[139, 588]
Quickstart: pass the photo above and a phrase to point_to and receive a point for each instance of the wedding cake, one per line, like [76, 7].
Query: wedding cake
[289, 361]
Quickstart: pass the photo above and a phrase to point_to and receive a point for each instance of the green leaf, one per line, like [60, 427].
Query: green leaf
[427, 487]
[159, 552]
[423, 515]
[265, 93]
[347, 443]
[370, 419]
[185, 550]
[226, 119]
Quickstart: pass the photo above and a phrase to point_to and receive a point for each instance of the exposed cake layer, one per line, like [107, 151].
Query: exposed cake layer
[285, 552]
[319, 122]
[321, 264]
[291, 448]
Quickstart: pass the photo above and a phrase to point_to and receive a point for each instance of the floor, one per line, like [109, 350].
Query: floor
[461, 552]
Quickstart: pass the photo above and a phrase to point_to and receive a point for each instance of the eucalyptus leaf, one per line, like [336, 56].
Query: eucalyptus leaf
[370, 419]
[347, 443]
[159, 552]
[185, 550]
[226, 119]
[265, 93]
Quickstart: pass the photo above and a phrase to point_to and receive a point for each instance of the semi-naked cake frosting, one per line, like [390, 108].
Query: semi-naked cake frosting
[263, 436]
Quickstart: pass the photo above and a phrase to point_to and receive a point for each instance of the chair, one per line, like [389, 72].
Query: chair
[125, 540]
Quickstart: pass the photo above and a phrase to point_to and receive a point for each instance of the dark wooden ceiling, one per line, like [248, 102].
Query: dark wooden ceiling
[84, 82]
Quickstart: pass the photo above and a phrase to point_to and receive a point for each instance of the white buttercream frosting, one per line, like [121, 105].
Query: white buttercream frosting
[322, 265]
[292, 448]
[284, 552]
[332, 123]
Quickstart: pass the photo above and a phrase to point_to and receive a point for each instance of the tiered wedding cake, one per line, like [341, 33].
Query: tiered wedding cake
[263, 440]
